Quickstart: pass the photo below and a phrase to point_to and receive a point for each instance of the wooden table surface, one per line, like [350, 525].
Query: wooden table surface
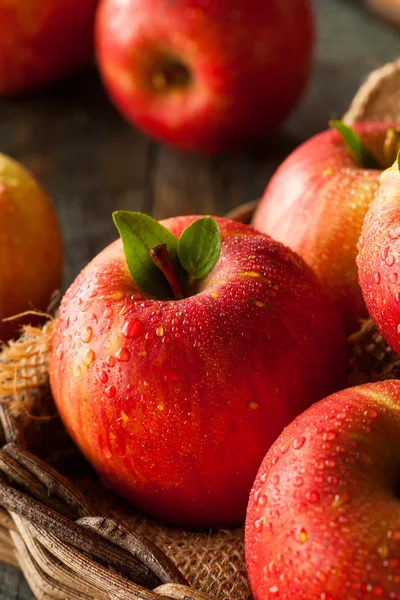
[92, 162]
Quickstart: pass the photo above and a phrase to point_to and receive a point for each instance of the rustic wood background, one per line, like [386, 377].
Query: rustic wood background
[92, 162]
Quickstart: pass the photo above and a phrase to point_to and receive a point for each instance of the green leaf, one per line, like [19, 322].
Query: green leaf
[199, 247]
[361, 154]
[140, 233]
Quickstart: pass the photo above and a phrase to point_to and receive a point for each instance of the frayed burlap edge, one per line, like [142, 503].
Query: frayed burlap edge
[24, 368]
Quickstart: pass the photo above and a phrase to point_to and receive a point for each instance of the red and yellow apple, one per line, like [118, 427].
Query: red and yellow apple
[175, 402]
[379, 257]
[43, 40]
[316, 203]
[323, 520]
[30, 246]
[205, 76]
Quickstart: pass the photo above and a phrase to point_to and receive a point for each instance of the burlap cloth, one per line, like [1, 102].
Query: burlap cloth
[212, 562]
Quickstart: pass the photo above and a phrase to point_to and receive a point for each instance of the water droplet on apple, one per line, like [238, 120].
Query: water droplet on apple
[111, 391]
[106, 453]
[298, 442]
[312, 497]
[384, 253]
[87, 335]
[394, 234]
[108, 313]
[123, 355]
[274, 591]
[259, 524]
[256, 495]
[393, 277]
[262, 501]
[298, 481]
[302, 537]
[89, 358]
[377, 278]
[111, 361]
[86, 305]
[329, 436]
[275, 479]
[371, 412]
[133, 328]
[389, 260]
[103, 376]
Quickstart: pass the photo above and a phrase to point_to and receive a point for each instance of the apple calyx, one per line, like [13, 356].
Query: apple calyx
[162, 265]
[169, 73]
[359, 151]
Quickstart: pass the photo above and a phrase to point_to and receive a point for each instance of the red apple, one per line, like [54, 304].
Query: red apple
[175, 402]
[323, 520]
[379, 258]
[205, 76]
[30, 245]
[316, 203]
[43, 40]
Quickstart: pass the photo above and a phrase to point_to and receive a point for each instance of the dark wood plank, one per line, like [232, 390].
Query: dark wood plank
[84, 154]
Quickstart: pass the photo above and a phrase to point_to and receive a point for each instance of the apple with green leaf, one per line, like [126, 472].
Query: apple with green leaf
[323, 519]
[30, 247]
[317, 200]
[379, 256]
[205, 76]
[180, 353]
[42, 41]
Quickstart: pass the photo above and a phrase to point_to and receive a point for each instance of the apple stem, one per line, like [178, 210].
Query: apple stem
[160, 257]
[391, 145]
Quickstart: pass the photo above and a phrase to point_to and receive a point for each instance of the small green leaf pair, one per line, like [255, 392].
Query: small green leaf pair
[161, 264]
